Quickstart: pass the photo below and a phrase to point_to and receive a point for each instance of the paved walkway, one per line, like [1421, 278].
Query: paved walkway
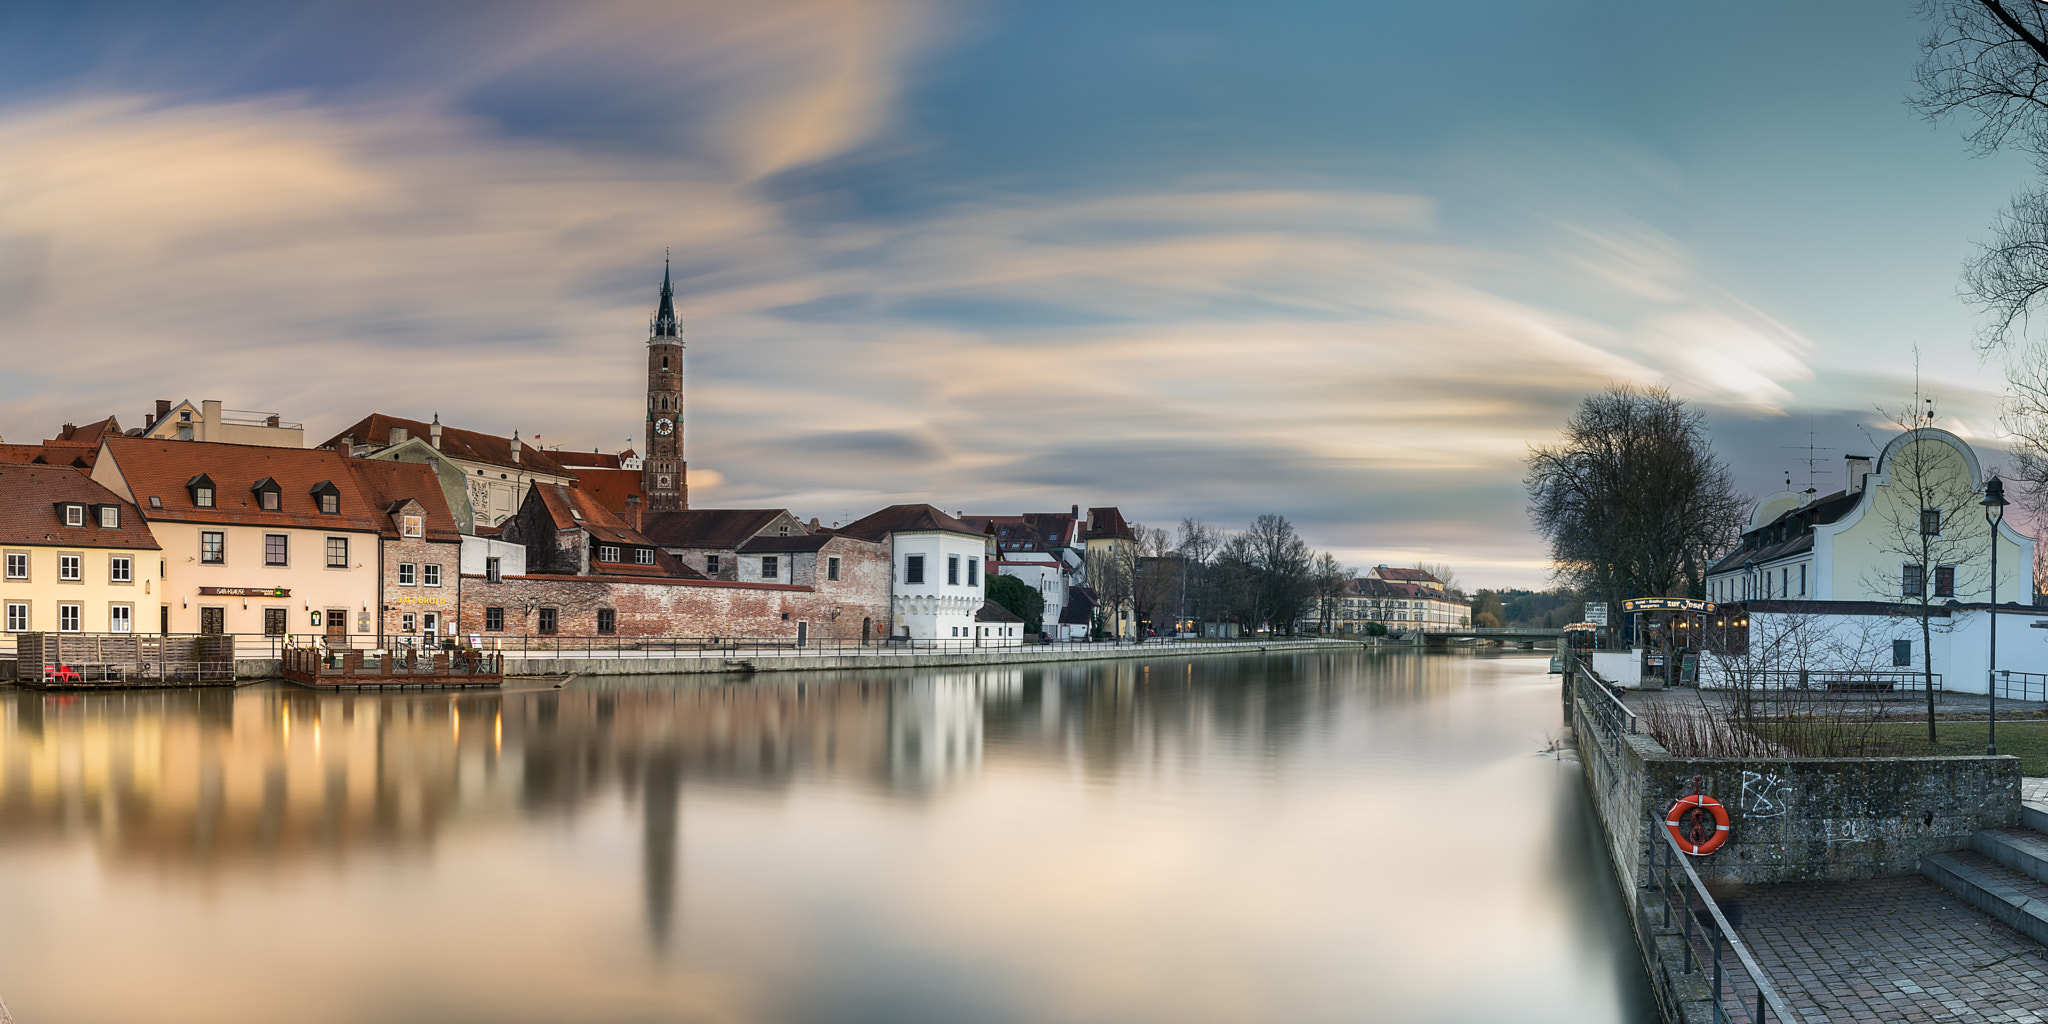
[1890, 949]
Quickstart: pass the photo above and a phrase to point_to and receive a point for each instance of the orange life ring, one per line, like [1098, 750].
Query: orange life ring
[1698, 802]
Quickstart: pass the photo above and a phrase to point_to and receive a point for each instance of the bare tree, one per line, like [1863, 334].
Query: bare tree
[1930, 521]
[1444, 575]
[1328, 579]
[1197, 546]
[1632, 498]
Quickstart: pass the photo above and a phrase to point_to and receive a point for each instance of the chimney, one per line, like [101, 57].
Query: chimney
[1077, 511]
[163, 409]
[272, 421]
[346, 445]
[434, 437]
[398, 435]
[515, 446]
[814, 523]
[1858, 466]
[633, 511]
[69, 429]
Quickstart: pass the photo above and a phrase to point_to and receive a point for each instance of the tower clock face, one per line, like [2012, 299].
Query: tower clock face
[664, 426]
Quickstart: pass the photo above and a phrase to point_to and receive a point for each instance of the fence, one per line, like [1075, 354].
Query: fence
[2022, 685]
[1836, 680]
[1672, 875]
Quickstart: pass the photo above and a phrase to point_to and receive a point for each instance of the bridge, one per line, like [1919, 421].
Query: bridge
[1527, 635]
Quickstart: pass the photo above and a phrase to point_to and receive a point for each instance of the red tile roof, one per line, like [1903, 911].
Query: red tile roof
[29, 496]
[160, 468]
[611, 487]
[1405, 575]
[906, 519]
[572, 509]
[45, 455]
[386, 484]
[456, 442]
[90, 434]
[1106, 523]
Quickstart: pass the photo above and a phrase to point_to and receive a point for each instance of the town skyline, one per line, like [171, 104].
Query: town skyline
[909, 269]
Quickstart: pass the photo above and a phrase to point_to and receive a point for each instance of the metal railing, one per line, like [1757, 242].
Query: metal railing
[1837, 680]
[1681, 887]
[2022, 685]
[1605, 702]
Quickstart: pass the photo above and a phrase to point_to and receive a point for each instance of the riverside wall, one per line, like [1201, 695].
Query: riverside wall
[638, 666]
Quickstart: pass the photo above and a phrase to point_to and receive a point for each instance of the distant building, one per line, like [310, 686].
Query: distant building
[496, 471]
[1403, 600]
[207, 421]
[936, 562]
[708, 540]
[75, 557]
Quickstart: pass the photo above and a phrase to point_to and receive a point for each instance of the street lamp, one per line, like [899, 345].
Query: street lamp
[1994, 513]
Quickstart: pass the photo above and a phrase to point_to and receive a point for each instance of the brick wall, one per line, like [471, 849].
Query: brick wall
[419, 599]
[690, 607]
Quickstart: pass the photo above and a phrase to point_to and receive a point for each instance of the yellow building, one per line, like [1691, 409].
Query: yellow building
[74, 556]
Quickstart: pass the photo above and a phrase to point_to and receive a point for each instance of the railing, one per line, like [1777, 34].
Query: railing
[1605, 702]
[1837, 680]
[1680, 885]
[2022, 685]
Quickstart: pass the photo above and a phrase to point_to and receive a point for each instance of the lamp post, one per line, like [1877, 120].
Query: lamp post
[1994, 512]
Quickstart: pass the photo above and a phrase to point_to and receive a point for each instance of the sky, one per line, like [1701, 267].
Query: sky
[1341, 261]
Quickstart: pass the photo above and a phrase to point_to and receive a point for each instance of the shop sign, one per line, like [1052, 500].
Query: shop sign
[244, 592]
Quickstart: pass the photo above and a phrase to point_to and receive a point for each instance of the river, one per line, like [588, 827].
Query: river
[1314, 837]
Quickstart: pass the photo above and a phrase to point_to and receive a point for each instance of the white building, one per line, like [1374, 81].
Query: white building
[936, 587]
[1830, 584]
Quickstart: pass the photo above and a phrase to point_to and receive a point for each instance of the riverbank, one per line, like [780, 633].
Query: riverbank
[640, 663]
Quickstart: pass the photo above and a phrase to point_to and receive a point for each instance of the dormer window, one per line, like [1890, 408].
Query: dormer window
[607, 553]
[110, 517]
[201, 489]
[268, 495]
[327, 497]
[74, 515]
[413, 526]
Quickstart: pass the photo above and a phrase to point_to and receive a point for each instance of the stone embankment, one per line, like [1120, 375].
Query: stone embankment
[636, 664]
[1811, 825]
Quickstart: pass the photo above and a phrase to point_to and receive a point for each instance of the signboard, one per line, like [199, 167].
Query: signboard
[1666, 604]
[244, 592]
[1596, 613]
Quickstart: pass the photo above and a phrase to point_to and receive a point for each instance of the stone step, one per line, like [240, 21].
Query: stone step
[2007, 895]
[2022, 850]
[2034, 817]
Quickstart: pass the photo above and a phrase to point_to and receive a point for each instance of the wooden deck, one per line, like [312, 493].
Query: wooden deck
[399, 669]
[59, 661]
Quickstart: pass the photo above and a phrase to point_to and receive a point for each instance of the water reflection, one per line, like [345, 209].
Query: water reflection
[1201, 839]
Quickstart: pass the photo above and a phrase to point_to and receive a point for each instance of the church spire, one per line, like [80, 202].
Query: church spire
[665, 316]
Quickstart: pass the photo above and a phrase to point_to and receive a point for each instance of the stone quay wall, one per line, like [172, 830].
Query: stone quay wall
[1790, 819]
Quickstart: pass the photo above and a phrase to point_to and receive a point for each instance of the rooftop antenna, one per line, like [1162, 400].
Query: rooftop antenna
[1812, 459]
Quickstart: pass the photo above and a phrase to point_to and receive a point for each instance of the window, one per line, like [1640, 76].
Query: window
[494, 620]
[74, 515]
[430, 574]
[974, 572]
[68, 618]
[644, 556]
[547, 620]
[119, 619]
[17, 618]
[711, 565]
[337, 552]
[771, 567]
[269, 500]
[1902, 653]
[213, 547]
[1802, 579]
[69, 567]
[185, 416]
[913, 569]
[1930, 522]
[1913, 581]
[121, 569]
[17, 565]
[202, 497]
[494, 573]
[831, 568]
[406, 574]
[408, 623]
[413, 526]
[110, 517]
[275, 548]
[155, 502]
[607, 620]
[1944, 581]
[782, 531]
[607, 553]
[952, 570]
[274, 621]
[330, 503]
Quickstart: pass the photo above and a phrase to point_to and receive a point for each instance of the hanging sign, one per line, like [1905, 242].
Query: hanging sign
[244, 592]
[1666, 604]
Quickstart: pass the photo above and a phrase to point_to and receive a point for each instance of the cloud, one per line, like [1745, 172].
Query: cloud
[1334, 354]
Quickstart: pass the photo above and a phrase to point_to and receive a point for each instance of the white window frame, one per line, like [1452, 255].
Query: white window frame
[120, 618]
[17, 617]
[77, 617]
[15, 558]
[412, 526]
[408, 622]
[430, 574]
[643, 556]
[408, 575]
[110, 517]
[70, 568]
[607, 552]
[120, 569]
[74, 515]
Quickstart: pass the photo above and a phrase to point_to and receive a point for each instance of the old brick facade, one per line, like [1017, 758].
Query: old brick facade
[826, 609]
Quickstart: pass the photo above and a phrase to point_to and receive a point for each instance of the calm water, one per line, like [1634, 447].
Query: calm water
[1313, 838]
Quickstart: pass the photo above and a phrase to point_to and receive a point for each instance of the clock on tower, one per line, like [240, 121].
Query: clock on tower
[664, 476]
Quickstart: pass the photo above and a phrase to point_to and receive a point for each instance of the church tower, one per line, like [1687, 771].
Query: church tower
[664, 476]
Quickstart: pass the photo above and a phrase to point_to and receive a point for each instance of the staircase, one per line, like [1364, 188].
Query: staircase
[2004, 873]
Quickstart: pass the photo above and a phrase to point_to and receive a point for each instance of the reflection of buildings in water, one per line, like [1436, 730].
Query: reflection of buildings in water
[935, 725]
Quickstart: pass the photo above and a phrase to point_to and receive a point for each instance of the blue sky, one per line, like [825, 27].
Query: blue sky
[1342, 261]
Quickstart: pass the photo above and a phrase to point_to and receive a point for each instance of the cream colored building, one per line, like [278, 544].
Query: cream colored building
[207, 421]
[74, 556]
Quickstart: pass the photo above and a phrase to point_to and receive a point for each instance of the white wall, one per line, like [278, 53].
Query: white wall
[1959, 645]
[936, 609]
[511, 557]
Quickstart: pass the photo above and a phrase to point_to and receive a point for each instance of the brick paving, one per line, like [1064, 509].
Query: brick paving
[1889, 949]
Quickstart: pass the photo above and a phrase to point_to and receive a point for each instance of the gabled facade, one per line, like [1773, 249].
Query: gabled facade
[566, 532]
[207, 421]
[708, 540]
[419, 548]
[74, 556]
[496, 470]
[936, 566]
